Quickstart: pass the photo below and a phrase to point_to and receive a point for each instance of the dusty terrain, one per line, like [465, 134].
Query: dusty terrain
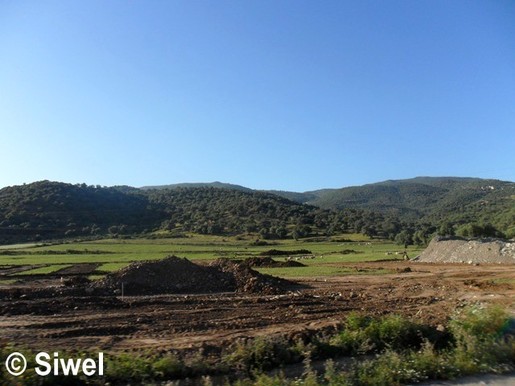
[451, 249]
[37, 318]
[175, 275]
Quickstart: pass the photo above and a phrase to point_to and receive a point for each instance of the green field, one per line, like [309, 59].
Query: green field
[44, 270]
[111, 267]
[114, 254]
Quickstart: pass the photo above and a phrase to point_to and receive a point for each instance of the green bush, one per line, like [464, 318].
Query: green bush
[484, 340]
[262, 354]
[482, 343]
[168, 366]
[126, 367]
[363, 334]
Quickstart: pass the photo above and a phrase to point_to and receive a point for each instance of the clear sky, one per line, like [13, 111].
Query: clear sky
[291, 94]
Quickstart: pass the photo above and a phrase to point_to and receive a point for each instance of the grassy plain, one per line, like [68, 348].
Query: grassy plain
[114, 254]
[43, 270]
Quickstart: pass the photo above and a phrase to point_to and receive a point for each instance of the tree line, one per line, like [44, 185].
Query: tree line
[50, 210]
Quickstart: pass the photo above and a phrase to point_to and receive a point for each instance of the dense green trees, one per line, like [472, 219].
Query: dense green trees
[478, 230]
[47, 210]
[433, 200]
[50, 210]
[446, 228]
[209, 210]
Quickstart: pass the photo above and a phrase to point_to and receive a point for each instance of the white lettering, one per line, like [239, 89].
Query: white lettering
[88, 367]
[56, 363]
[69, 366]
[100, 363]
[41, 362]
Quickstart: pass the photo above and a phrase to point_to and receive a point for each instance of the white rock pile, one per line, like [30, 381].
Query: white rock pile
[459, 250]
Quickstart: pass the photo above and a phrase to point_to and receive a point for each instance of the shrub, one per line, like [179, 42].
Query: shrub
[363, 334]
[262, 354]
[168, 366]
[484, 340]
[482, 343]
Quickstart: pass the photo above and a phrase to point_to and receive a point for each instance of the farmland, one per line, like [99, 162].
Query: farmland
[113, 254]
[334, 278]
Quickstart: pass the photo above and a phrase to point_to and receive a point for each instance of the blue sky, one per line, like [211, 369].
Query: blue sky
[293, 95]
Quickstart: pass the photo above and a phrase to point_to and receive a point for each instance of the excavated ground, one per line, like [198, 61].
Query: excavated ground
[39, 317]
[452, 249]
[174, 275]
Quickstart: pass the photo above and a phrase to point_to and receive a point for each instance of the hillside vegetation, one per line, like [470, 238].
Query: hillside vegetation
[431, 200]
[50, 210]
[407, 211]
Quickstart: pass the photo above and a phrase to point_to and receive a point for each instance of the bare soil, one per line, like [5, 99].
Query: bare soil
[47, 315]
[459, 250]
[268, 262]
[174, 275]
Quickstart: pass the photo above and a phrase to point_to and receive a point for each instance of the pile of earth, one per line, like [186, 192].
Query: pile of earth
[179, 275]
[460, 250]
[268, 262]
[277, 252]
[248, 280]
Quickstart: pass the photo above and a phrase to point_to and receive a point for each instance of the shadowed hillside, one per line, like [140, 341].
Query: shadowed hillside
[46, 210]
[406, 210]
[49, 210]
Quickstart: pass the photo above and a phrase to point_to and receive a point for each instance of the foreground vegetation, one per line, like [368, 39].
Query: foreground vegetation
[386, 351]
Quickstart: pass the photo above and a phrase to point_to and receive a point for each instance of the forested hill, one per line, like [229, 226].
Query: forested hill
[425, 199]
[405, 210]
[225, 211]
[49, 210]
[215, 184]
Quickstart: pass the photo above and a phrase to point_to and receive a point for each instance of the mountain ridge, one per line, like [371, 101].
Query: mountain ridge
[215, 184]
[47, 210]
[422, 199]
[425, 180]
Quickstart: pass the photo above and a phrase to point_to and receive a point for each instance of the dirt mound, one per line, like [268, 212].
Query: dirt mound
[248, 280]
[276, 252]
[177, 275]
[170, 275]
[350, 251]
[459, 250]
[268, 262]
[76, 281]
